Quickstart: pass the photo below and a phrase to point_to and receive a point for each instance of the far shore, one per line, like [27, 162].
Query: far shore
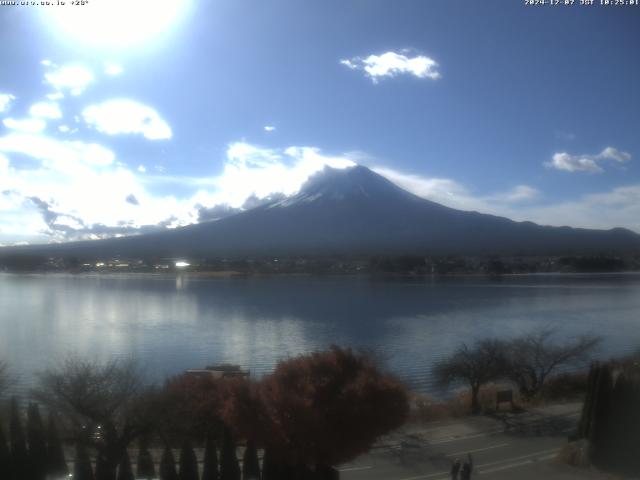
[239, 274]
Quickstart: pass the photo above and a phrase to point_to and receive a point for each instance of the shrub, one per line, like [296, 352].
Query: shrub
[327, 408]
[564, 387]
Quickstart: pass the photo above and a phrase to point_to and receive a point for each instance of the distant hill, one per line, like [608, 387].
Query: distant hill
[352, 211]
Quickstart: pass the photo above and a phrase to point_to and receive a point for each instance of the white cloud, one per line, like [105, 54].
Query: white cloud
[252, 170]
[81, 190]
[53, 190]
[74, 190]
[46, 110]
[573, 163]
[61, 156]
[4, 164]
[610, 153]
[619, 207]
[111, 68]
[127, 116]
[5, 101]
[453, 194]
[74, 78]
[26, 125]
[392, 64]
[250, 176]
[269, 128]
[518, 194]
[586, 163]
[441, 190]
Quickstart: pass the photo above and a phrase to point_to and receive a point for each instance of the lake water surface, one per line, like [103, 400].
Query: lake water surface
[171, 323]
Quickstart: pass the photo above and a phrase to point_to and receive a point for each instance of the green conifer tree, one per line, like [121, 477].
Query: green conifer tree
[210, 467]
[250, 462]
[104, 471]
[188, 462]
[145, 468]
[5, 457]
[125, 472]
[168, 465]
[229, 468]
[36, 438]
[587, 406]
[269, 466]
[19, 452]
[82, 466]
[56, 463]
[622, 431]
[598, 431]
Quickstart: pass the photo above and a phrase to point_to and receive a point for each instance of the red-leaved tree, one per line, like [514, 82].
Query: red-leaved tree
[244, 410]
[318, 410]
[194, 403]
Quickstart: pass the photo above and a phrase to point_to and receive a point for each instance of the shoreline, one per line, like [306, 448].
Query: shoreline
[238, 274]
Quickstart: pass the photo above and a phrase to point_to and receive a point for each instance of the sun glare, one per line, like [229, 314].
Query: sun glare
[116, 23]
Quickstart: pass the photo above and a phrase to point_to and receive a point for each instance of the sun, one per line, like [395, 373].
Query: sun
[115, 23]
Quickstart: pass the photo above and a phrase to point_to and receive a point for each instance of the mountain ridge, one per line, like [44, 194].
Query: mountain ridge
[352, 211]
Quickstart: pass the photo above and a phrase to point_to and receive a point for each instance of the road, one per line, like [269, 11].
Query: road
[526, 450]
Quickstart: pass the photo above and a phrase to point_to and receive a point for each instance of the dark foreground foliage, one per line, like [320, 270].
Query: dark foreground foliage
[611, 417]
[313, 412]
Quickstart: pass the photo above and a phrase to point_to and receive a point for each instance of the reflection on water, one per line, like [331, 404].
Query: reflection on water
[173, 323]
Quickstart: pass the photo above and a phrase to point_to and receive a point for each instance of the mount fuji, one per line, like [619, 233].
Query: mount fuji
[352, 211]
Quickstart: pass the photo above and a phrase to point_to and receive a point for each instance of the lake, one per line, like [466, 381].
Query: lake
[172, 323]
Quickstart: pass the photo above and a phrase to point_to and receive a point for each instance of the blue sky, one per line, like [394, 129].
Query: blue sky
[124, 117]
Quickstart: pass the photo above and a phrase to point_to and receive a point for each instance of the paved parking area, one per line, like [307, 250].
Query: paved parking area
[511, 447]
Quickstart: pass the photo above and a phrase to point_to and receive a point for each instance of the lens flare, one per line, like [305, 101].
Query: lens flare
[115, 23]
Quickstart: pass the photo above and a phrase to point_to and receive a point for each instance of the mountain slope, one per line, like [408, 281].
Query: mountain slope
[355, 211]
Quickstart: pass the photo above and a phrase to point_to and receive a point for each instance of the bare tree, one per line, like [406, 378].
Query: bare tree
[483, 363]
[533, 357]
[102, 402]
